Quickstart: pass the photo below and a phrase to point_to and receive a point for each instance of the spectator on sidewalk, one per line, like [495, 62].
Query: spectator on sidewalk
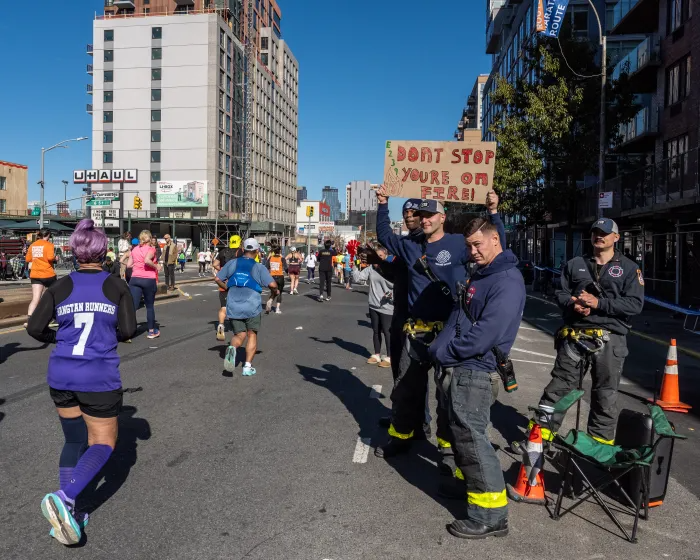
[381, 304]
[169, 260]
[3, 266]
[124, 248]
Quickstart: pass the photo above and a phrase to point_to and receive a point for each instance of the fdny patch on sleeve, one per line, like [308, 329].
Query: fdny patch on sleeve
[640, 277]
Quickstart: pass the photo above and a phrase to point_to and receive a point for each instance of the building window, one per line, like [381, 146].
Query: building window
[156, 74]
[156, 53]
[108, 96]
[155, 135]
[221, 160]
[221, 140]
[679, 11]
[106, 157]
[155, 176]
[109, 75]
[155, 115]
[109, 35]
[108, 117]
[146, 2]
[678, 81]
[155, 157]
[264, 58]
[109, 56]
[147, 11]
[3, 183]
[677, 156]
[263, 43]
[3, 205]
[107, 137]
[221, 120]
[156, 32]
[155, 95]
[221, 99]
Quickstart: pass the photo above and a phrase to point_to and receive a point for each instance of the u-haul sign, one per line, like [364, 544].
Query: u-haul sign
[105, 176]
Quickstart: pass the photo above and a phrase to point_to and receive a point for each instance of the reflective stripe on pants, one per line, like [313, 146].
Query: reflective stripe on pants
[469, 414]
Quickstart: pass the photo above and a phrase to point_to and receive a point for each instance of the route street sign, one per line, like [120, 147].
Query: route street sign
[46, 222]
[109, 195]
[99, 202]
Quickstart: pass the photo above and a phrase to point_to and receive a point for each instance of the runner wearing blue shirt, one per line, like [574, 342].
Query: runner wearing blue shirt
[244, 279]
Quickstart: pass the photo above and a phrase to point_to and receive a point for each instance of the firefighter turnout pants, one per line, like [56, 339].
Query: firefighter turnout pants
[408, 398]
[469, 411]
[606, 369]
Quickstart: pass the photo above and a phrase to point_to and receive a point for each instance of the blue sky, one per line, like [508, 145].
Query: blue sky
[370, 71]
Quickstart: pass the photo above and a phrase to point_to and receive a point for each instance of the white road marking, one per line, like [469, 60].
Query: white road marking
[375, 392]
[361, 450]
[530, 329]
[542, 300]
[531, 362]
[533, 353]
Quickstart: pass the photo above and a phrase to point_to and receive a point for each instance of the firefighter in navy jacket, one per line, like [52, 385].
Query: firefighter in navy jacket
[495, 297]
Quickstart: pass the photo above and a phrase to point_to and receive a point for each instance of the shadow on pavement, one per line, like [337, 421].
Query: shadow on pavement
[416, 467]
[116, 471]
[351, 347]
[352, 392]
[508, 421]
[2, 414]
[13, 348]
[363, 323]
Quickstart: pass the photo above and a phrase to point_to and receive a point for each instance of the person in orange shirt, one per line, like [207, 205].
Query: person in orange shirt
[42, 274]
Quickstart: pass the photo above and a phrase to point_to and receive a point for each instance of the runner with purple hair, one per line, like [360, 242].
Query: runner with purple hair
[94, 310]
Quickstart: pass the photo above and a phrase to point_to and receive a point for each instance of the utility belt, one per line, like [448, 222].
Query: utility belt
[419, 336]
[580, 344]
[415, 327]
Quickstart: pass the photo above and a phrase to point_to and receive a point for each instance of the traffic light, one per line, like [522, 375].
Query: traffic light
[138, 203]
[310, 211]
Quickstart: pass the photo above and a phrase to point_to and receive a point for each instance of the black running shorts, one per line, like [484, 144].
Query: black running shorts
[103, 404]
[222, 298]
[46, 282]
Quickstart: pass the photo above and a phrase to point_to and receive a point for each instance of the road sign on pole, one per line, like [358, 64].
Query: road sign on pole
[99, 202]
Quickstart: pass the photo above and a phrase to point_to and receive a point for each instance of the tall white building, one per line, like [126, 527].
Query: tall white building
[360, 197]
[169, 101]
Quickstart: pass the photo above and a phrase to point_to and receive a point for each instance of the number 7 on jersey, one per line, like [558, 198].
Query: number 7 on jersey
[84, 321]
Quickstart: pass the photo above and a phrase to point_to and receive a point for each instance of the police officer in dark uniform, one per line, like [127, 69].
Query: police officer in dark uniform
[599, 293]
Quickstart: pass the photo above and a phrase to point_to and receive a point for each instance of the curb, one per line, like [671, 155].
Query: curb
[19, 320]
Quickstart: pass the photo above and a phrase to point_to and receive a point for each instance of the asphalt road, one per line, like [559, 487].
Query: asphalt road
[279, 465]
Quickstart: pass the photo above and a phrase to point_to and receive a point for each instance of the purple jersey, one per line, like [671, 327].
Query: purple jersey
[85, 357]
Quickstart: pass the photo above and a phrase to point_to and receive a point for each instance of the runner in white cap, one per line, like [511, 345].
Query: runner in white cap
[294, 260]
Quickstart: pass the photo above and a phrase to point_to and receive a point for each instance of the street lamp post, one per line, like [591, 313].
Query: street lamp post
[61, 144]
[365, 215]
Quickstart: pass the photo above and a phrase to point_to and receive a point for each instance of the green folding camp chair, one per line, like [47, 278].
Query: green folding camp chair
[613, 460]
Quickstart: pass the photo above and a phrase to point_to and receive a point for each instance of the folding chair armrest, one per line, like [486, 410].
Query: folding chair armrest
[661, 425]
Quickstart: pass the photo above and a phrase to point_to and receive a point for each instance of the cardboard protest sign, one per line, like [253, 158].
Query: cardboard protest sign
[445, 171]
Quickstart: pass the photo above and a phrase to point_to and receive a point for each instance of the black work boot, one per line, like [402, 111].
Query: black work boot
[396, 446]
[469, 529]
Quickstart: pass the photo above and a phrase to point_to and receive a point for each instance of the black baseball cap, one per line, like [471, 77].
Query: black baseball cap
[606, 225]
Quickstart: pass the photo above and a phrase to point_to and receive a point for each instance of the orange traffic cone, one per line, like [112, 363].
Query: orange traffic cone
[529, 487]
[670, 392]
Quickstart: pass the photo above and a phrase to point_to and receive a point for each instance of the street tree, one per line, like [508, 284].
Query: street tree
[547, 129]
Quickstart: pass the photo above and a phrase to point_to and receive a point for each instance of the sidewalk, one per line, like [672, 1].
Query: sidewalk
[655, 324]
[13, 309]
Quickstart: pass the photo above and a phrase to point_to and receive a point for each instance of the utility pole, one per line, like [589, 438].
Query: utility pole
[603, 83]
[65, 190]
[365, 215]
[308, 237]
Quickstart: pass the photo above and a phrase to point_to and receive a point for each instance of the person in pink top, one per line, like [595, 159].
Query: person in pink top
[144, 279]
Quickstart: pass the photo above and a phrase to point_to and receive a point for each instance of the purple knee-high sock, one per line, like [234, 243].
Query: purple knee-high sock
[87, 468]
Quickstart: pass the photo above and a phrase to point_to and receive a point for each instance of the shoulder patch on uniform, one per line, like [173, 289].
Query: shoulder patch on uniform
[616, 271]
[640, 277]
